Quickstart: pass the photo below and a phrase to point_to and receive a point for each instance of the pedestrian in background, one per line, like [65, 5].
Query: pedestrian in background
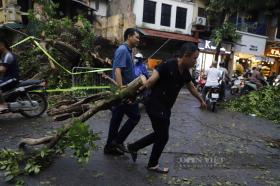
[140, 66]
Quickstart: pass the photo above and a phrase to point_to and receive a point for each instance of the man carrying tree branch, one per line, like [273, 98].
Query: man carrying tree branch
[123, 74]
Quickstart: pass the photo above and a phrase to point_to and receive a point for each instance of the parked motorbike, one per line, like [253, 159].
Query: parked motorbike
[212, 97]
[242, 86]
[235, 85]
[246, 87]
[25, 100]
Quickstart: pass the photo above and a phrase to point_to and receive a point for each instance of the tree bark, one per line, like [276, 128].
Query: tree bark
[102, 104]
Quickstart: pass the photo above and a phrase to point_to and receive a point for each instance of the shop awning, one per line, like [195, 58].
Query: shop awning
[84, 4]
[167, 35]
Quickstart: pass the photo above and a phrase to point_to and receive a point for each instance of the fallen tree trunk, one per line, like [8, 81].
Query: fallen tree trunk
[106, 102]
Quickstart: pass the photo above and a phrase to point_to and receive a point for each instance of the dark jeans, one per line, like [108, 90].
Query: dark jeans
[204, 92]
[159, 138]
[223, 90]
[118, 136]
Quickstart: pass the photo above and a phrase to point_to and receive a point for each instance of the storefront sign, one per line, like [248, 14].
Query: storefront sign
[251, 44]
[209, 46]
[253, 48]
[273, 53]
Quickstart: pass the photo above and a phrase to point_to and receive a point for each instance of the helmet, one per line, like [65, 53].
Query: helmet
[138, 55]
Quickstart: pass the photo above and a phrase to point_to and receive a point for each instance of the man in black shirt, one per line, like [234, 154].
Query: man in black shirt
[165, 83]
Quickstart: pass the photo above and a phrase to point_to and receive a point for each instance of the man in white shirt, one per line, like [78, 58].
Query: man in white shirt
[213, 77]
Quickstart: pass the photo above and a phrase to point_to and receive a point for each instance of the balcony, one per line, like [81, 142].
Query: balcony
[253, 28]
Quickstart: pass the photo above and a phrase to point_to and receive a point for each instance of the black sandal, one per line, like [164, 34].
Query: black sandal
[158, 169]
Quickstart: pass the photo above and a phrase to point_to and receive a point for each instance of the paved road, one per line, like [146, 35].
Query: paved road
[204, 148]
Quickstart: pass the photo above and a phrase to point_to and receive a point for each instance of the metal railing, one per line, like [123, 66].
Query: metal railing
[253, 27]
[90, 83]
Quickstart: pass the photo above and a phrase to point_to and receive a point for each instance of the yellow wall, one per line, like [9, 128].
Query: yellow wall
[7, 15]
[113, 27]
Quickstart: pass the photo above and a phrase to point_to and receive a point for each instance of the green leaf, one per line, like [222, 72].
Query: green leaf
[42, 154]
[36, 170]
[9, 178]
[19, 183]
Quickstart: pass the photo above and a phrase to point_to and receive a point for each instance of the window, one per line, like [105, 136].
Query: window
[149, 11]
[165, 15]
[97, 5]
[278, 29]
[201, 12]
[1, 4]
[181, 18]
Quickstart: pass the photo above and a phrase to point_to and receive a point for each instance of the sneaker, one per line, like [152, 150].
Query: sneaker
[112, 150]
[122, 147]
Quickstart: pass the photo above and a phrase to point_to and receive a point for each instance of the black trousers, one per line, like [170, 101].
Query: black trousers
[159, 138]
[115, 135]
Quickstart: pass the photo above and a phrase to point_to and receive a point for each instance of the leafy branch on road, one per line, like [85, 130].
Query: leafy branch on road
[74, 134]
[264, 103]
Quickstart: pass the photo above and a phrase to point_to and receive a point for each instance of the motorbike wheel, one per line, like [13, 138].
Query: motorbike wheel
[213, 107]
[43, 105]
[210, 105]
[232, 91]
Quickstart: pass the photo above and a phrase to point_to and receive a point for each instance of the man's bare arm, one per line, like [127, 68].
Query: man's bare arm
[2, 69]
[196, 94]
[152, 80]
[118, 76]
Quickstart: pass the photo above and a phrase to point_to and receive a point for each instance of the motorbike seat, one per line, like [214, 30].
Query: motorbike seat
[29, 82]
[8, 85]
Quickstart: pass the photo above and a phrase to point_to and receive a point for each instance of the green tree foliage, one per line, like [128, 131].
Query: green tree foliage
[219, 12]
[264, 103]
[77, 33]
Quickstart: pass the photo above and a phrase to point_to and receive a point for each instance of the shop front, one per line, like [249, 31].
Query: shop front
[275, 54]
[207, 54]
[250, 53]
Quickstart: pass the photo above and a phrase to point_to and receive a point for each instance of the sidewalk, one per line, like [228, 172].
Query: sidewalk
[204, 148]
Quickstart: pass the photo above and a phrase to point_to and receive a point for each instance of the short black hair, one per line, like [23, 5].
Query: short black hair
[129, 32]
[5, 42]
[188, 48]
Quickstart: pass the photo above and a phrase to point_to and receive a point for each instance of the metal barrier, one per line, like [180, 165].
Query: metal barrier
[92, 82]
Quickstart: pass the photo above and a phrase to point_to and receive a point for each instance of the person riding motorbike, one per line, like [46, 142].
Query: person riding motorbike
[9, 71]
[256, 77]
[213, 77]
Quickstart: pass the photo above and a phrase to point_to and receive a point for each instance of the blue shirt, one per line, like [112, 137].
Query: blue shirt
[12, 69]
[141, 69]
[123, 60]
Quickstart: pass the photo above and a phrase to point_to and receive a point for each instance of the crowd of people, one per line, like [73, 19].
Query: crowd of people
[219, 76]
